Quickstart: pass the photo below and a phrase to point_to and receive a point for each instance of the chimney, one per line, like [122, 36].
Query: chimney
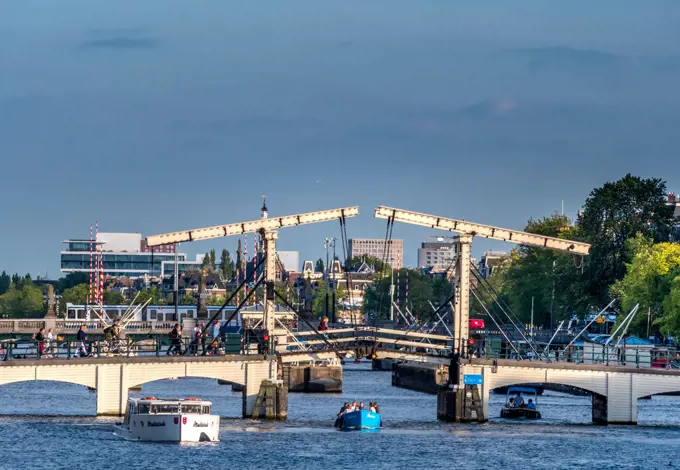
[671, 198]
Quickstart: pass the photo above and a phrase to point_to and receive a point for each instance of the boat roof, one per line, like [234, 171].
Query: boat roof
[165, 401]
[521, 390]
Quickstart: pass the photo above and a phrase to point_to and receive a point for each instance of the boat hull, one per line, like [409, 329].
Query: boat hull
[518, 413]
[361, 419]
[171, 428]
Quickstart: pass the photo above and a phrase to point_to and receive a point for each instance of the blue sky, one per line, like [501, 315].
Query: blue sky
[164, 115]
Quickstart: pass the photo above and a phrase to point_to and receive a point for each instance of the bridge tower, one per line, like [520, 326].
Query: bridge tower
[458, 401]
[267, 227]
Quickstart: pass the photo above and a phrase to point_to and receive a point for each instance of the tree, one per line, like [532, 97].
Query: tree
[71, 280]
[5, 281]
[76, 295]
[319, 266]
[226, 265]
[23, 301]
[319, 299]
[537, 273]
[615, 213]
[205, 265]
[152, 294]
[420, 294]
[187, 299]
[15, 279]
[652, 280]
[114, 297]
[213, 266]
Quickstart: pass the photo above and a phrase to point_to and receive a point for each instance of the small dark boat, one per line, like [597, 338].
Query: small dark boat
[525, 410]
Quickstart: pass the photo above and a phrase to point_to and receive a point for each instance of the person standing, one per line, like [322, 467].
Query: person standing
[40, 338]
[175, 336]
[204, 333]
[82, 340]
[51, 339]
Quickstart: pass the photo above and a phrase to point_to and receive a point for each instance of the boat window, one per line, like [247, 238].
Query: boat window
[191, 409]
[206, 409]
[155, 409]
[142, 409]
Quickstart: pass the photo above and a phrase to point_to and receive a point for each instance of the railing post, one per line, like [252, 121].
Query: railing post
[637, 357]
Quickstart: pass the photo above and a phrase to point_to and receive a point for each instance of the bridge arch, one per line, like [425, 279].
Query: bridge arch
[509, 376]
[227, 372]
[85, 377]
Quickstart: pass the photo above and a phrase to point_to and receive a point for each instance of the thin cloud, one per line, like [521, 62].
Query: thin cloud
[120, 40]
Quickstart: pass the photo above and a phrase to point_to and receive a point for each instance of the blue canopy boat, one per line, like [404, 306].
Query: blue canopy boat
[512, 411]
[360, 419]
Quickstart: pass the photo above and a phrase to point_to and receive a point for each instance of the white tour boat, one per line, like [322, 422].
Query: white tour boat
[169, 420]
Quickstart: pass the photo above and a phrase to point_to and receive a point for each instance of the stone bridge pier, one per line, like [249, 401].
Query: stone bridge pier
[614, 390]
[111, 378]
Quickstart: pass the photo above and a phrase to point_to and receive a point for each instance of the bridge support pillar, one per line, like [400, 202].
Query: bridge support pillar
[255, 374]
[112, 389]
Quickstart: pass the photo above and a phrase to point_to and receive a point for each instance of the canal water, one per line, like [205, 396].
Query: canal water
[411, 438]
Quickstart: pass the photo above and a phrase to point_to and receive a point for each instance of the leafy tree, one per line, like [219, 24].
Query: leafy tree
[538, 272]
[213, 267]
[187, 299]
[114, 297]
[205, 266]
[615, 213]
[5, 281]
[319, 266]
[16, 279]
[75, 295]
[319, 298]
[653, 281]
[71, 280]
[153, 294]
[226, 265]
[22, 301]
[421, 293]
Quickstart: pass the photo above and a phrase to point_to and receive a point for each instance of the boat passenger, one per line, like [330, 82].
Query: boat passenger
[371, 407]
[377, 407]
[519, 401]
[510, 403]
[361, 405]
[531, 405]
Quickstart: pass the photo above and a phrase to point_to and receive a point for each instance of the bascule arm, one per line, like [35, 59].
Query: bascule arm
[479, 230]
[272, 223]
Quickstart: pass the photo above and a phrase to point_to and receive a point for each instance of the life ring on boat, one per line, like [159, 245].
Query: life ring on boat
[149, 398]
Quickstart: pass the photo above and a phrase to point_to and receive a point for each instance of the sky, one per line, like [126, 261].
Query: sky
[166, 115]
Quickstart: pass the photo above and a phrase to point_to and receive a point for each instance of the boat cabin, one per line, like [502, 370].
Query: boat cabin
[166, 406]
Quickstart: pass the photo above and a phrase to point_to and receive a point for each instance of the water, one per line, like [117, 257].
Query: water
[411, 438]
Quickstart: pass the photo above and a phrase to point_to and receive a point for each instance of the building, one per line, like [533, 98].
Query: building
[290, 260]
[376, 247]
[489, 261]
[440, 257]
[124, 254]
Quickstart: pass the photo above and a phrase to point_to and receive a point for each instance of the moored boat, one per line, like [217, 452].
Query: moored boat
[169, 420]
[360, 419]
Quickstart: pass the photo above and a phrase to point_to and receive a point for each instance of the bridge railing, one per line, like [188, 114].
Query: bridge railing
[60, 349]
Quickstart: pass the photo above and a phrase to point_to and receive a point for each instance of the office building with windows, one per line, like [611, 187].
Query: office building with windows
[376, 247]
[438, 256]
[124, 254]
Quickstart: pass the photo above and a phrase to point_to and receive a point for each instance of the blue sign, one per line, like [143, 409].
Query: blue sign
[472, 379]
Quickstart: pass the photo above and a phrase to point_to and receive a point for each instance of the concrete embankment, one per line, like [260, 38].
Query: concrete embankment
[426, 378]
[313, 379]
